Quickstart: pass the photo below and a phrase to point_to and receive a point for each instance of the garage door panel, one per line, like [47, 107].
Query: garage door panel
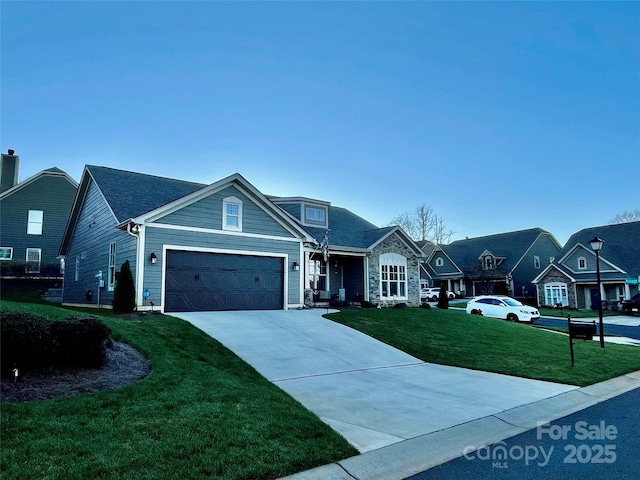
[197, 281]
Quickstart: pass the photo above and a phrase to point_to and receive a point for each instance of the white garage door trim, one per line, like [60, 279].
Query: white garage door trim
[284, 256]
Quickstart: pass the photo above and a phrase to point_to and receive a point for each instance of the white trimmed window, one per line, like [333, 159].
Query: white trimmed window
[34, 222]
[34, 256]
[582, 263]
[393, 276]
[439, 262]
[487, 262]
[317, 274]
[536, 262]
[111, 276]
[316, 216]
[232, 214]
[6, 253]
[556, 293]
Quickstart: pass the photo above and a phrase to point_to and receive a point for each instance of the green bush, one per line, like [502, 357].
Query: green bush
[31, 342]
[25, 342]
[124, 295]
[79, 342]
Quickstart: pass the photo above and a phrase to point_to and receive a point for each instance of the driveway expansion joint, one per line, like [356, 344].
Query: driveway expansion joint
[341, 372]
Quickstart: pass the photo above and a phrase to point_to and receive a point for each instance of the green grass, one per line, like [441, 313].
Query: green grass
[455, 338]
[201, 413]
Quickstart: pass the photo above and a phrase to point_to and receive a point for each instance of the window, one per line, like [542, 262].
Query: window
[317, 275]
[487, 262]
[232, 214]
[393, 276]
[582, 263]
[439, 262]
[76, 275]
[34, 256]
[34, 222]
[111, 276]
[556, 293]
[536, 262]
[315, 216]
[6, 253]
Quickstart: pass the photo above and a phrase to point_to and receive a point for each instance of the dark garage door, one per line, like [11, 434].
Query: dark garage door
[197, 281]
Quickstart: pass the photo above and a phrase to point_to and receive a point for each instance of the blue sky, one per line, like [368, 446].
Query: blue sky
[501, 116]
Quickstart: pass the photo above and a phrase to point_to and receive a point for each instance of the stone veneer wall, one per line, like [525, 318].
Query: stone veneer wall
[394, 244]
[553, 276]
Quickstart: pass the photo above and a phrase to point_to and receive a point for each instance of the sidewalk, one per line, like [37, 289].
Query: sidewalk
[406, 458]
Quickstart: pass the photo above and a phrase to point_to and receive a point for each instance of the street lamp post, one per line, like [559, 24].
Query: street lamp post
[596, 245]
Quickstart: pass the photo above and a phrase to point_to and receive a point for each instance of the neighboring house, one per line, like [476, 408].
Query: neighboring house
[225, 246]
[33, 220]
[572, 279]
[505, 262]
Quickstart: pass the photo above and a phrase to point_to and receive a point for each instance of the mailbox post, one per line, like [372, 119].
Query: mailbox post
[579, 331]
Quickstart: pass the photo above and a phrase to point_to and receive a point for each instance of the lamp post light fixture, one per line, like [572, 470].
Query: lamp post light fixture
[596, 245]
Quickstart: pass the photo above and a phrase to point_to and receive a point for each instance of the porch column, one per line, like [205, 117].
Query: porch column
[627, 291]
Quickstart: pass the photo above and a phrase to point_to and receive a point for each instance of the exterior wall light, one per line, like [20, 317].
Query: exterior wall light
[153, 258]
[295, 266]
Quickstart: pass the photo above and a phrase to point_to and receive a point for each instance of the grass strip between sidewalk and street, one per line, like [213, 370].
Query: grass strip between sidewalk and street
[201, 413]
[452, 337]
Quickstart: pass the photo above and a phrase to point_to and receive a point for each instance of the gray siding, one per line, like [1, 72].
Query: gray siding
[53, 195]
[207, 213]
[292, 208]
[525, 272]
[156, 238]
[94, 232]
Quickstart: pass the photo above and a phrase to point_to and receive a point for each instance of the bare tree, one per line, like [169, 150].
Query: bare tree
[631, 216]
[423, 224]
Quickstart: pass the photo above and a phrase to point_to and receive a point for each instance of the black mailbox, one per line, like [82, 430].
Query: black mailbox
[582, 330]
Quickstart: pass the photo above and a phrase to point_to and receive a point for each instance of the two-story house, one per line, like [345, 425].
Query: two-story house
[33, 218]
[571, 280]
[506, 262]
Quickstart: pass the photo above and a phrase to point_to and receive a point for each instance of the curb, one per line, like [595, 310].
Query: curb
[409, 457]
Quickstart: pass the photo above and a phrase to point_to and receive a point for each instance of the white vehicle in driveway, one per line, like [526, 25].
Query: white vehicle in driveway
[499, 306]
[432, 294]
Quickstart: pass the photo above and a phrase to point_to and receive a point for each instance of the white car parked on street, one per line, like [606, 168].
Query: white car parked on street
[499, 306]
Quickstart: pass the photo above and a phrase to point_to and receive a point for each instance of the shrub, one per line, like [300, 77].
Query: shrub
[339, 304]
[425, 305]
[79, 342]
[124, 295]
[367, 304]
[400, 305]
[443, 299]
[25, 342]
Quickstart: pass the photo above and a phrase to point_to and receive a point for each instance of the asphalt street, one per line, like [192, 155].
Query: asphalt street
[599, 442]
[609, 329]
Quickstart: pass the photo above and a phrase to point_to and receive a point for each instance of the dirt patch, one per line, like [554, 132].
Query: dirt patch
[123, 366]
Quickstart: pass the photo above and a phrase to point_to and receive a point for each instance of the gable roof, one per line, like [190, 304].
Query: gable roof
[510, 246]
[51, 172]
[130, 194]
[621, 244]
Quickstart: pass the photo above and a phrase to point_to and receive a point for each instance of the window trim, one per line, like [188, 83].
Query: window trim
[226, 216]
[393, 271]
[30, 262]
[536, 262]
[563, 290]
[582, 259]
[35, 222]
[314, 222]
[10, 257]
[111, 275]
[439, 262]
[76, 274]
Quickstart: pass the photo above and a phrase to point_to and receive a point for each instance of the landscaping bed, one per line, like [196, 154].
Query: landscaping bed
[201, 413]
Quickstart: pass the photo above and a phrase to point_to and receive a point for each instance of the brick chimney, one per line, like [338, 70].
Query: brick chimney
[9, 170]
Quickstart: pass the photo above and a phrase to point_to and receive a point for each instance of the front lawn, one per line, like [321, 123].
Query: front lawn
[455, 338]
[201, 413]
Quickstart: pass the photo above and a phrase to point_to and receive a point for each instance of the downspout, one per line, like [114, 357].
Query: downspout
[139, 262]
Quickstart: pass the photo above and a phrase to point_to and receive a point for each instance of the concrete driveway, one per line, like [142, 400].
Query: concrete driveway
[371, 393]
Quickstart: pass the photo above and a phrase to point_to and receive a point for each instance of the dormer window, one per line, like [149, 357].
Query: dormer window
[439, 262]
[315, 216]
[232, 214]
[487, 262]
[582, 263]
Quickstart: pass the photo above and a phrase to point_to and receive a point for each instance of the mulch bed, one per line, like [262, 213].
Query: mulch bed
[123, 366]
